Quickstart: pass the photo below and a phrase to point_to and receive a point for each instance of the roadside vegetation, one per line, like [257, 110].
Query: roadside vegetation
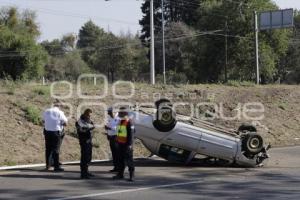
[195, 47]
[33, 114]
[42, 90]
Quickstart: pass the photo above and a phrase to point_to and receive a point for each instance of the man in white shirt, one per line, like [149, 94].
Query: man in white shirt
[54, 121]
[111, 131]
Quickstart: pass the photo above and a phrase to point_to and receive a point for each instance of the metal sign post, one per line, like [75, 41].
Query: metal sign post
[152, 59]
[163, 39]
[256, 48]
[270, 20]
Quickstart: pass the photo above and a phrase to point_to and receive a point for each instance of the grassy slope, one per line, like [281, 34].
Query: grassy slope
[21, 141]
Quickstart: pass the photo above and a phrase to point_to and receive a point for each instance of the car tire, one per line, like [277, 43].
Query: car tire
[165, 116]
[252, 143]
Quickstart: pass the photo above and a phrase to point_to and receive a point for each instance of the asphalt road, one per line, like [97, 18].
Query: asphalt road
[157, 179]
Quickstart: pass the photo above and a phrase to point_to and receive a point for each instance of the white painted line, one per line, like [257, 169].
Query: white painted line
[129, 190]
[43, 164]
[21, 167]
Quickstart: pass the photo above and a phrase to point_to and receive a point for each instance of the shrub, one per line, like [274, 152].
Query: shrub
[173, 78]
[67, 67]
[32, 114]
[30, 58]
[9, 84]
[11, 90]
[236, 83]
[9, 163]
[44, 91]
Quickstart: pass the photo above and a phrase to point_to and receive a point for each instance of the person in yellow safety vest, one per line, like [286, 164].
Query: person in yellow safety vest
[124, 141]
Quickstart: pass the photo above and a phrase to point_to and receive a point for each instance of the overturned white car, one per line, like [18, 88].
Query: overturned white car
[178, 141]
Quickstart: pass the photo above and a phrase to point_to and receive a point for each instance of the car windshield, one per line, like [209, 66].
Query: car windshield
[173, 153]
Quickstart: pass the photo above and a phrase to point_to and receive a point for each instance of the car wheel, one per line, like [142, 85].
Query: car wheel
[165, 116]
[252, 143]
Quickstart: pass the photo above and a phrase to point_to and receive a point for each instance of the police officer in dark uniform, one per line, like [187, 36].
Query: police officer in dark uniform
[84, 128]
[124, 146]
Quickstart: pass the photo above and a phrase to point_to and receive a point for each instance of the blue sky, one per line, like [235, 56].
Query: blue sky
[58, 17]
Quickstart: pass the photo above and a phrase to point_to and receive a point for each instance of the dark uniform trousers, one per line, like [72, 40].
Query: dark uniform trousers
[113, 148]
[125, 157]
[86, 153]
[61, 139]
[52, 143]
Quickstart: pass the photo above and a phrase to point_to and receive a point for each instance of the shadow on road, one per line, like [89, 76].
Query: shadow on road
[214, 182]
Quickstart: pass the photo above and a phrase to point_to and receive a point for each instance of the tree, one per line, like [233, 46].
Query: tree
[54, 47]
[21, 56]
[70, 67]
[22, 23]
[118, 57]
[135, 66]
[29, 23]
[113, 56]
[109, 55]
[68, 42]
[59, 47]
[9, 17]
[145, 21]
[239, 16]
[179, 42]
[89, 35]
[174, 11]
[65, 60]
[290, 64]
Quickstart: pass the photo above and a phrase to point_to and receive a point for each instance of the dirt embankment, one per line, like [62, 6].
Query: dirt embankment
[22, 142]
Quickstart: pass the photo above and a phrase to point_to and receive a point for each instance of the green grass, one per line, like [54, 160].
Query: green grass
[9, 163]
[10, 87]
[11, 91]
[235, 83]
[42, 90]
[33, 115]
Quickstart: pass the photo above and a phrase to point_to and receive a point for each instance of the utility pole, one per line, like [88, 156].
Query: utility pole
[152, 59]
[226, 50]
[256, 48]
[163, 40]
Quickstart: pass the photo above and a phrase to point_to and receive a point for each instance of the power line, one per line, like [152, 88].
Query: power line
[230, 1]
[137, 42]
[189, 4]
[215, 33]
[196, 5]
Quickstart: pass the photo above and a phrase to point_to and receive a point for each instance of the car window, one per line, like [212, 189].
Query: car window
[173, 153]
